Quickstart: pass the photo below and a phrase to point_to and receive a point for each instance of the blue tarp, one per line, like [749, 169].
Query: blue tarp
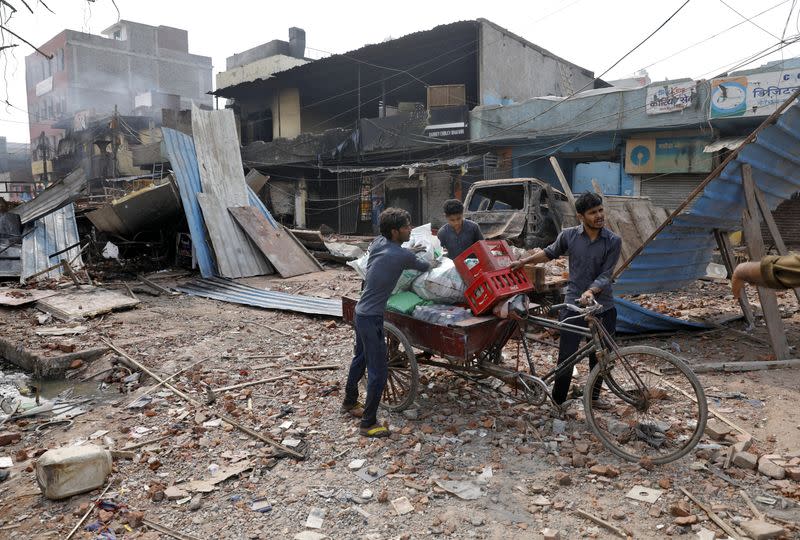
[634, 319]
[680, 254]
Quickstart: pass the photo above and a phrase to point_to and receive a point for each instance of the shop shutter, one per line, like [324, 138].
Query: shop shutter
[669, 191]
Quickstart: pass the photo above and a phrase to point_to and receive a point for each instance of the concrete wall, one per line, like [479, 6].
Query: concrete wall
[513, 70]
[259, 69]
[605, 109]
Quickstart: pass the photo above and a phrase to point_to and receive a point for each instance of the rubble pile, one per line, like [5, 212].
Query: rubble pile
[462, 462]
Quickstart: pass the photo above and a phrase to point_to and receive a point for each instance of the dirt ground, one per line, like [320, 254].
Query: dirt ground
[454, 432]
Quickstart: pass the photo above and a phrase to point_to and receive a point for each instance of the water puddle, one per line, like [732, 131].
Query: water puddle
[48, 399]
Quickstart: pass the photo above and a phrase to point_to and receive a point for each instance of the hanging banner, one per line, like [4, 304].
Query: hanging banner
[670, 97]
[758, 94]
[658, 155]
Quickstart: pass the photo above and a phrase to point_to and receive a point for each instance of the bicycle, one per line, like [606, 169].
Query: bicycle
[649, 416]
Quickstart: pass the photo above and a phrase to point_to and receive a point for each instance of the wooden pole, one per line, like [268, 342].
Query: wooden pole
[780, 246]
[562, 180]
[711, 176]
[755, 247]
[724, 245]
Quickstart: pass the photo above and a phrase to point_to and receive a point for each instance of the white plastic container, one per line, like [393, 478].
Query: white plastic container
[64, 472]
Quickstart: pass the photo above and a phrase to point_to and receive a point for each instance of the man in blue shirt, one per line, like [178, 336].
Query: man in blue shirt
[386, 262]
[593, 253]
[459, 233]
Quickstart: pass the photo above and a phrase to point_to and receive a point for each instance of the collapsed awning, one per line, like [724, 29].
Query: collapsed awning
[680, 253]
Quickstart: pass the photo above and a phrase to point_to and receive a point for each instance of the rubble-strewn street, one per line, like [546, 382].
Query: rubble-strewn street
[423, 279]
[521, 468]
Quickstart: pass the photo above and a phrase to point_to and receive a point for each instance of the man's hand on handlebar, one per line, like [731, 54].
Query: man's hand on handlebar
[587, 298]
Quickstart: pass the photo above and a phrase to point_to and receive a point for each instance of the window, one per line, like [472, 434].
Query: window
[498, 198]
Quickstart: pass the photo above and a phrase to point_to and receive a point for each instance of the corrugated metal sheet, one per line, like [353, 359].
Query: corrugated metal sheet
[634, 319]
[179, 148]
[53, 198]
[222, 177]
[51, 234]
[680, 254]
[230, 291]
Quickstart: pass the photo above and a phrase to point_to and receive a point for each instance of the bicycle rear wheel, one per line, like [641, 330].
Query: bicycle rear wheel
[656, 408]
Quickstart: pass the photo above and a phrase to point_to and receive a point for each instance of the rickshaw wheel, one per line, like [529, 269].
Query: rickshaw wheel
[402, 381]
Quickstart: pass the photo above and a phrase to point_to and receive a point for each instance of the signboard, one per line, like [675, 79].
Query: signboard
[670, 97]
[658, 155]
[758, 94]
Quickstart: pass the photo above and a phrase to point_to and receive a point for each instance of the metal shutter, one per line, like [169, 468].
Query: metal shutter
[669, 191]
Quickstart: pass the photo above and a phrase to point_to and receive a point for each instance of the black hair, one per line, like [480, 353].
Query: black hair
[587, 201]
[453, 207]
[393, 218]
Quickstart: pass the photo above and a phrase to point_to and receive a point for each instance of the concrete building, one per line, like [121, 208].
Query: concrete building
[338, 134]
[16, 181]
[130, 65]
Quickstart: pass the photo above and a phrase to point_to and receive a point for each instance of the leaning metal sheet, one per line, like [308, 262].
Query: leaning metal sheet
[50, 235]
[221, 175]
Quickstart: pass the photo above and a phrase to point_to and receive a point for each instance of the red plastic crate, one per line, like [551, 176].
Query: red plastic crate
[492, 255]
[490, 287]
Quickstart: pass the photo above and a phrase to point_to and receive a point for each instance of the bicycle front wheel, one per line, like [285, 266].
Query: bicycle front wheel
[655, 410]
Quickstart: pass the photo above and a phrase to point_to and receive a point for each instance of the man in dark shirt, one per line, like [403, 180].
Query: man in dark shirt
[593, 253]
[459, 233]
[386, 262]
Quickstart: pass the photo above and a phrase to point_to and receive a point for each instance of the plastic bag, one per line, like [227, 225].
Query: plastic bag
[421, 235]
[404, 302]
[442, 284]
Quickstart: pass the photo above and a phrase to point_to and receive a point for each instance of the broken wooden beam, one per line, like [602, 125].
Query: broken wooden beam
[603, 523]
[250, 383]
[196, 403]
[732, 367]
[724, 525]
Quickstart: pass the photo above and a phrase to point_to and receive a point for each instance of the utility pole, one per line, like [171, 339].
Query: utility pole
[114, 145]
[43, 150]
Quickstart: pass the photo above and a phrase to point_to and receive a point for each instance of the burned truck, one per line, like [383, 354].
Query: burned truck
[526, 212]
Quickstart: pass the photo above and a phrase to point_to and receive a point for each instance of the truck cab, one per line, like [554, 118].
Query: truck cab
[526, 212]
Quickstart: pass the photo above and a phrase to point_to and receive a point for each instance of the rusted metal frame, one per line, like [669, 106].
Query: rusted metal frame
[711, 176]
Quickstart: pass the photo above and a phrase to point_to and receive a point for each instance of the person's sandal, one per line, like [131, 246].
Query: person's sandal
[374, 432]
[356, 409]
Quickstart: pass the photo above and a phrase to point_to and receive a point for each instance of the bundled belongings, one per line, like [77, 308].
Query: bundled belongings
[441, 314]
[442, 284]
[420, 236]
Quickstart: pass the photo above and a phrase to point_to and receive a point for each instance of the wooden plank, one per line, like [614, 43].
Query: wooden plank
[287, 255]
[755, 247]
[87, 301]
[730, 367]
[236, 255]
[562, 180]
[219, 163]
[725, 250]
[773, 228]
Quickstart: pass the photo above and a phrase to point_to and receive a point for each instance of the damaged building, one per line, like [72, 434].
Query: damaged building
[385, 125]
[131, 66]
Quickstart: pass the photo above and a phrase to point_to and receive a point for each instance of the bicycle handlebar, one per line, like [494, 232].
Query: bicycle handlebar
[593, 306]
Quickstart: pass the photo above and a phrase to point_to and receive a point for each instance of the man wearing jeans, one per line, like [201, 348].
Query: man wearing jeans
[386, 262]
[593, 253]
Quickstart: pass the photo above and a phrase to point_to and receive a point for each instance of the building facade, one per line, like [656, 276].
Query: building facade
[96, 74]
[384, 125]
